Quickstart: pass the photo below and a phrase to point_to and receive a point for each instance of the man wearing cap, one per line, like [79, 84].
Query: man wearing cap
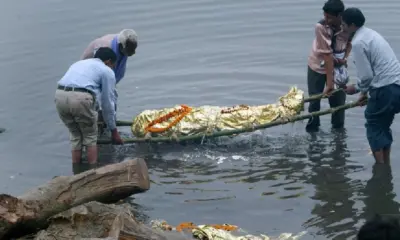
[124, 45]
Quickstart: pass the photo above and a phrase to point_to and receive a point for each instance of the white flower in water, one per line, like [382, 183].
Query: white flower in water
[210, 233]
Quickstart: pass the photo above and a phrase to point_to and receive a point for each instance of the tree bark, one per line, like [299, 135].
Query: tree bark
[28, 213]
[102, 222]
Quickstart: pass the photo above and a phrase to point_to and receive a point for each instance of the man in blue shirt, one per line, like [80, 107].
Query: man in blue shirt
[123, 44]
[76, 103]
[378, 71]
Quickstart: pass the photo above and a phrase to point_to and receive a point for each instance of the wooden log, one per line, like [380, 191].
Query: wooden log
[103, 222]
[29, 212]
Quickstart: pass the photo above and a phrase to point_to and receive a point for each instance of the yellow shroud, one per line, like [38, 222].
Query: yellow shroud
[213, 118]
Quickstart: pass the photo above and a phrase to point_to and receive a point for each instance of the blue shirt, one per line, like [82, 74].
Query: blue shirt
[92, 74]
[120, 65]
[375, 61]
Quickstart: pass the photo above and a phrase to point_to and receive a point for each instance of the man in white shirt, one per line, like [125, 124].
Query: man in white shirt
[378, 71]
[76, 103]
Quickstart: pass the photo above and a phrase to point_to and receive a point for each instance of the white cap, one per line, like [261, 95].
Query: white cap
[127, 35]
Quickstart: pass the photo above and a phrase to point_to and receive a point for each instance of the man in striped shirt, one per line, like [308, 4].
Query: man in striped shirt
[378, 71]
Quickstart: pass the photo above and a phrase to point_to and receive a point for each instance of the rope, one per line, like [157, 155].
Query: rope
[238, 131]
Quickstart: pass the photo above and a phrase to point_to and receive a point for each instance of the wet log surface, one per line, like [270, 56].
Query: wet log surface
[99, 221]
[30, 212]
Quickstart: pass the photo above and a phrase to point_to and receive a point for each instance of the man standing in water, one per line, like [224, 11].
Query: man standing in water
[124, 45]
[327, 63]
[75, 100]
[378, 71]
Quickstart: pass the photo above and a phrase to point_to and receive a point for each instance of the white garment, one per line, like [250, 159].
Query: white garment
[340, 74]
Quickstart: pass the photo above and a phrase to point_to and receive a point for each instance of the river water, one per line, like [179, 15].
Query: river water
[196, 53]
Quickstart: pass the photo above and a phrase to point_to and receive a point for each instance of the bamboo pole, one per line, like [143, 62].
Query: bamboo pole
[237, 131]
[309, 99]
[320, 96]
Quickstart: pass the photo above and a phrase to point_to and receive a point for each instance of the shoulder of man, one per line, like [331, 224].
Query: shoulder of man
[322, 22]
[108, 72]
[322, 26]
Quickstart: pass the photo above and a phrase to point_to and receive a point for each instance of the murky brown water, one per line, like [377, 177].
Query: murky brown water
[198, 52]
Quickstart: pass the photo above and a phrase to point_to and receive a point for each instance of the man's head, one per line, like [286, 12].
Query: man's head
[352, 19]
[380, 229]
[332, 12]
[107, 55]
[127, 40]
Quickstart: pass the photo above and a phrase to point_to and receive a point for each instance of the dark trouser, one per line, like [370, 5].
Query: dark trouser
[316, 83]
[383, 104]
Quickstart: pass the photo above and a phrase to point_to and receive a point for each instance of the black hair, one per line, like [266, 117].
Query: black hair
[353, 16]
[333, 7]
[380, 229]
[106, 53]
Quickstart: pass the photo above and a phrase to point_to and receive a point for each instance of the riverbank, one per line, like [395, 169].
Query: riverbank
[89, 205]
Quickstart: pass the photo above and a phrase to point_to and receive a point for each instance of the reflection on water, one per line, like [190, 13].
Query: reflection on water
[333, 212]
[378, 195]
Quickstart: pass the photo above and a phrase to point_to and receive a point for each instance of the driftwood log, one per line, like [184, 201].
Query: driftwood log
[99, 221]
[29, 213]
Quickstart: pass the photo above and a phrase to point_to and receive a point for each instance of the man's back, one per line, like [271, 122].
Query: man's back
[383, 60]
[104, 41]
[86, 74]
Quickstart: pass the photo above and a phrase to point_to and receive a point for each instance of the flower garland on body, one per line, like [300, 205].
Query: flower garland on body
[190, 226]
[180, 113]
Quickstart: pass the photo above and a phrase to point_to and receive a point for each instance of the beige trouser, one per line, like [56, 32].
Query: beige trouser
[77, 111]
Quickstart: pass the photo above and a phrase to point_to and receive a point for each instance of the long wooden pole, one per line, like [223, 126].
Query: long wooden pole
[238, 131]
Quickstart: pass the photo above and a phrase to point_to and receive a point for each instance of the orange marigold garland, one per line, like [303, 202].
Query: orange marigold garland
[191, 226]
[181, 113]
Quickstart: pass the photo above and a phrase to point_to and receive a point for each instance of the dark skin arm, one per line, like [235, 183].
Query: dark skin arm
[323, 43]
[328, 59]
[347, 53]
[348, 50]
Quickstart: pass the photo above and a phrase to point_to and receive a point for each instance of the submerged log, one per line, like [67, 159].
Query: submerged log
[28, 213]
[99, 221]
